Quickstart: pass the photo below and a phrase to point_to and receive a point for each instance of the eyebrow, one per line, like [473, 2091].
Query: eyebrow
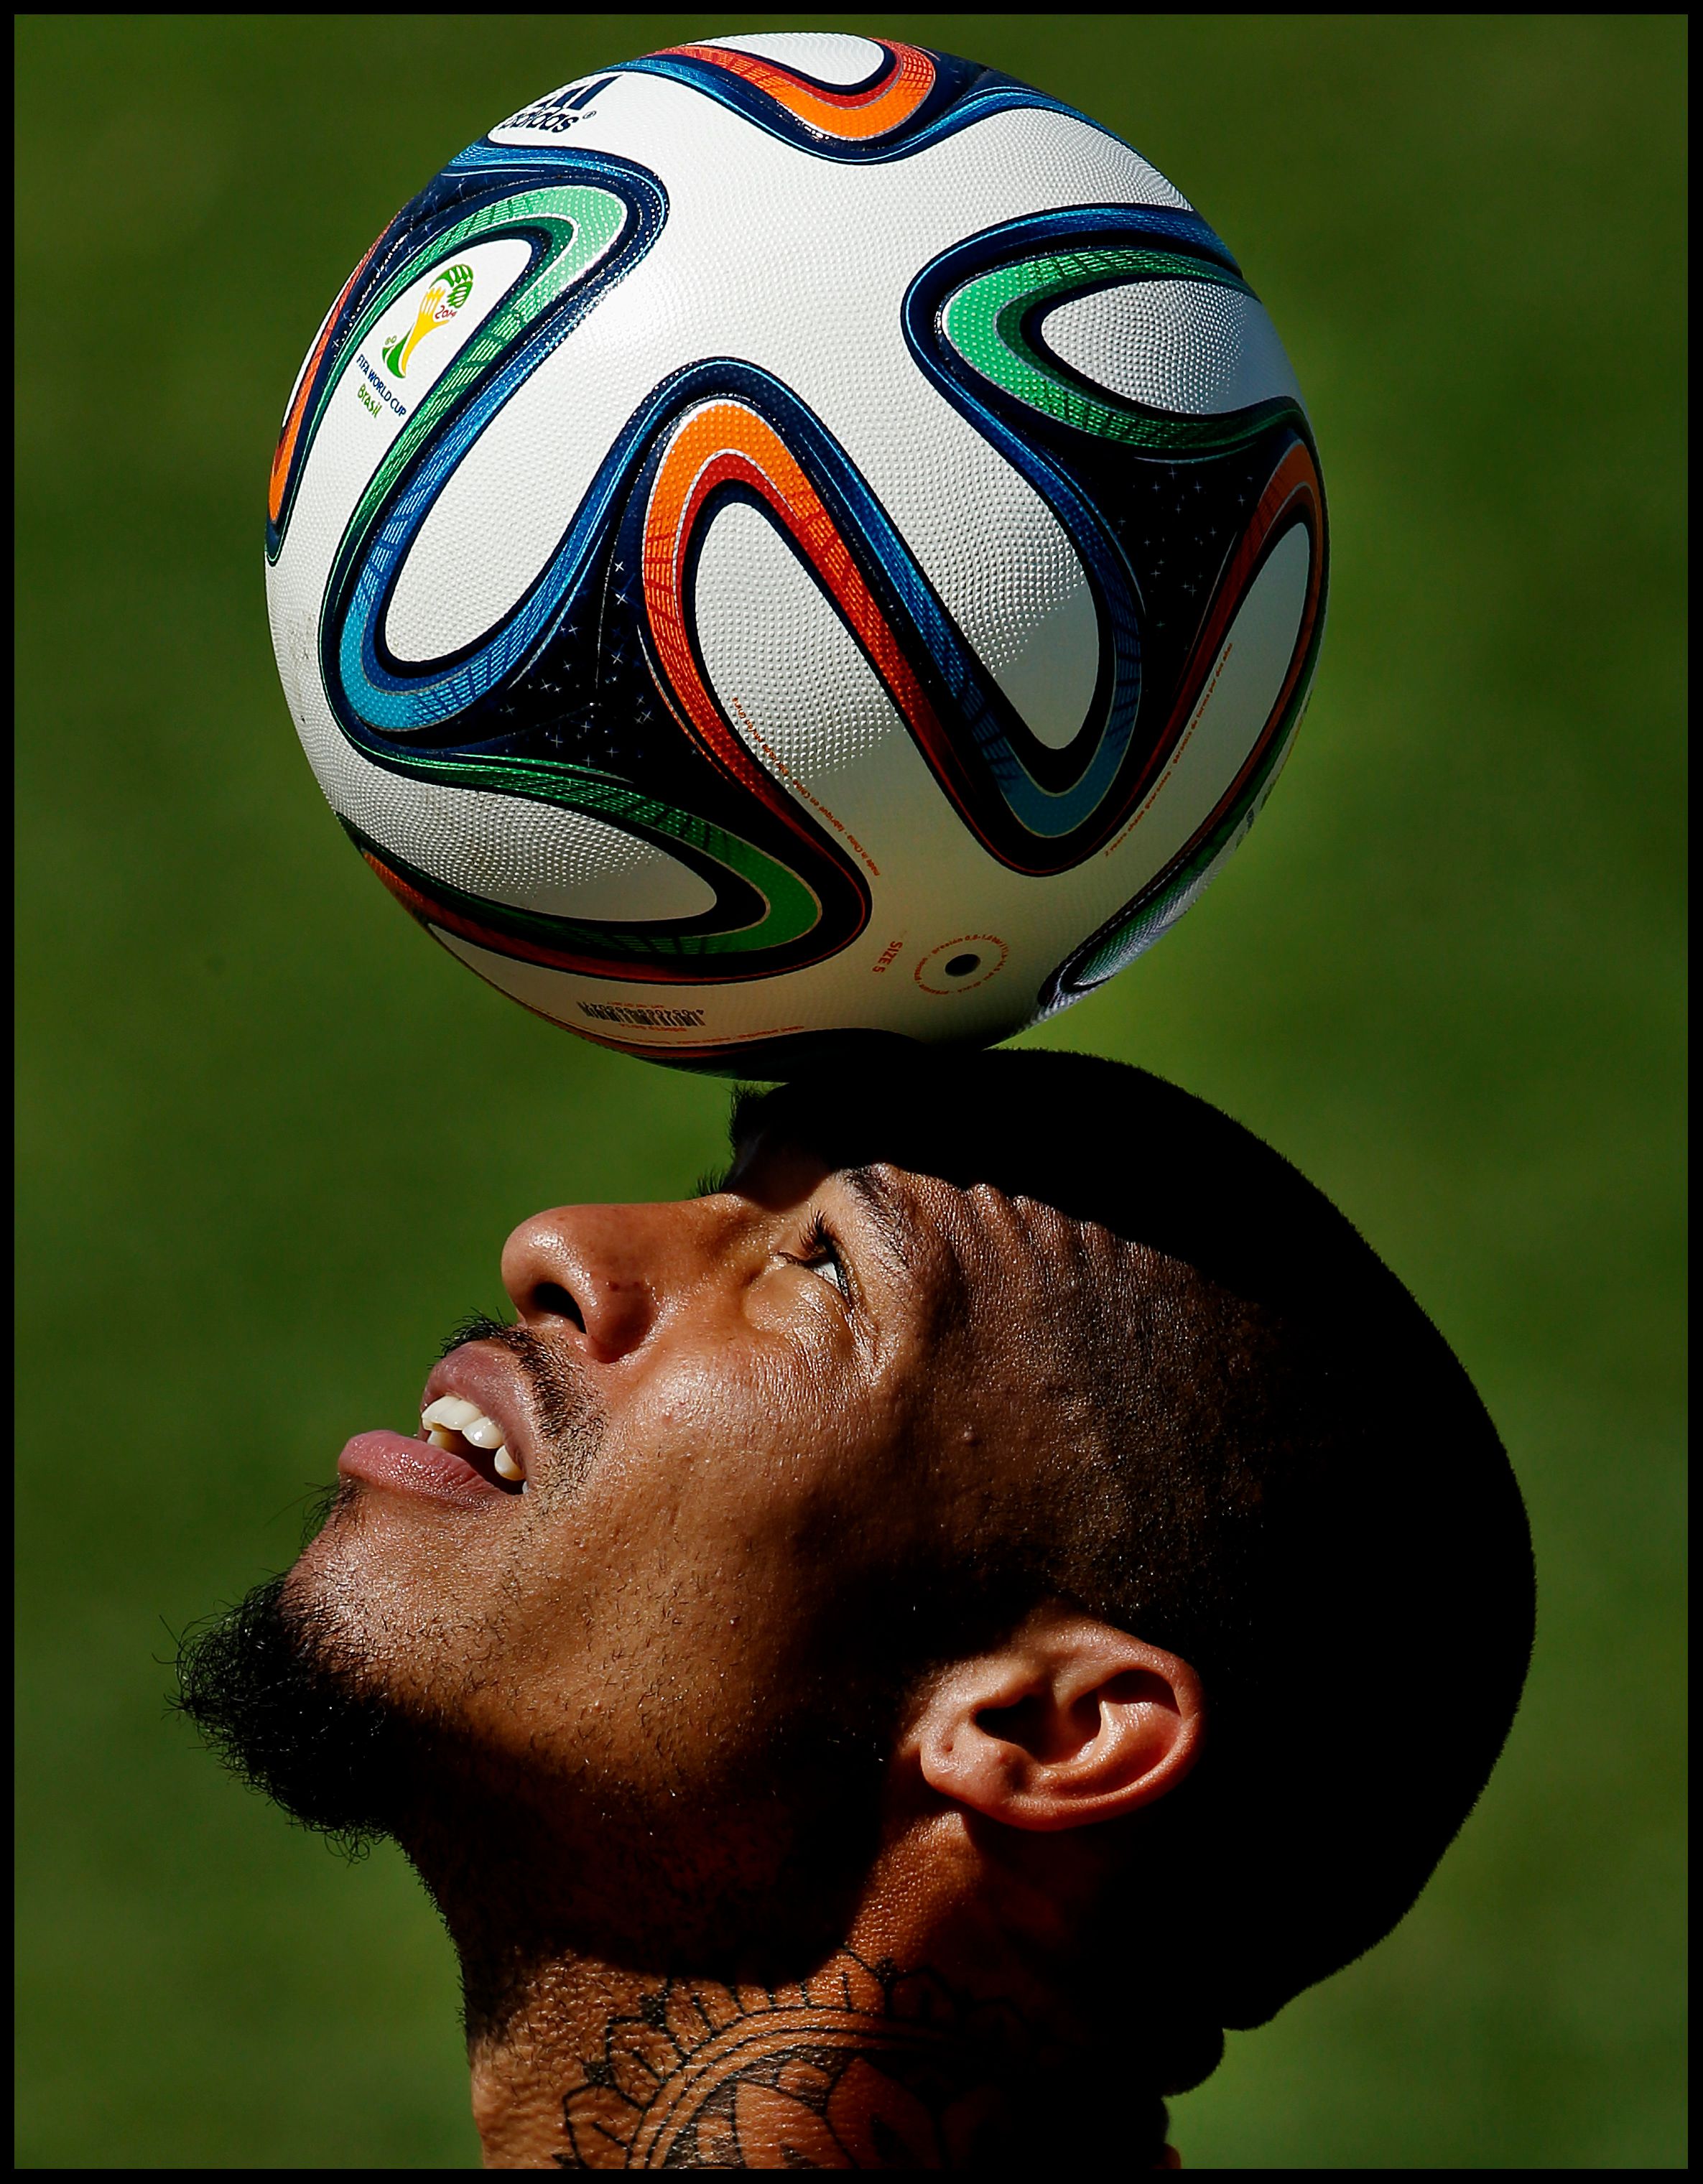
[883, 1205]
[886, 1207]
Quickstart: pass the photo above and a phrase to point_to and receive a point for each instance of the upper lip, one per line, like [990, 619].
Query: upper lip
[495, 1380]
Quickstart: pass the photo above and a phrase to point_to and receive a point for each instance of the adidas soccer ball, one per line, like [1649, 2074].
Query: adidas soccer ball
[796, 537]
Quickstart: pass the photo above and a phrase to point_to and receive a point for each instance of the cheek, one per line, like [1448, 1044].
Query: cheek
[645, 1637]
[671, 1583]
[723, 1410]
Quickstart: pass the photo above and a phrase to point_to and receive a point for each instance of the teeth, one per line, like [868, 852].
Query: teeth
[452, 1420]
[450, 1411]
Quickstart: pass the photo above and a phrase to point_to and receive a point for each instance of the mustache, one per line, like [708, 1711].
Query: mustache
[478, 1327]
[569, 1415]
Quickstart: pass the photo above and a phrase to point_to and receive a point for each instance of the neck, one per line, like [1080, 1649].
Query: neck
[855, 2067]
[923, 2042]
[863, 2064]
[866, 2062]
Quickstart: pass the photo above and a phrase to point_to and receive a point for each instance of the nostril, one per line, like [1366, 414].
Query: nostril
[552, 1298]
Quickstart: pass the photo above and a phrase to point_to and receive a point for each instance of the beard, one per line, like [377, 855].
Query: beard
[347, 1703]
[290, 1719]
[290, 1688]
[757, 1879]
[754, 1873]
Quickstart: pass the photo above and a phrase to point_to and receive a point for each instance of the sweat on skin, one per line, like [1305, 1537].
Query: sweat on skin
[760, 1723]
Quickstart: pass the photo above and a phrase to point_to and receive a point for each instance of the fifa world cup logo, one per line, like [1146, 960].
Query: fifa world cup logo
[444, 296]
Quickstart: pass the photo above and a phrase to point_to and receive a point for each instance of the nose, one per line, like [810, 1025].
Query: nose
[600, 1274]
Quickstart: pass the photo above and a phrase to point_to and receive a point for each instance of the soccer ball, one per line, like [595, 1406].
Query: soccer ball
[793, 538]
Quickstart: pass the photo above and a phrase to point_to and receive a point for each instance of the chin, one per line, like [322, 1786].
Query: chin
[358, 1592]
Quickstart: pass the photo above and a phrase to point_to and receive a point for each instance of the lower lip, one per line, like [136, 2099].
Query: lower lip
[406, 1466]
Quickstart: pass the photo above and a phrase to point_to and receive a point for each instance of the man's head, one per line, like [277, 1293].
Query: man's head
[1011, 1454]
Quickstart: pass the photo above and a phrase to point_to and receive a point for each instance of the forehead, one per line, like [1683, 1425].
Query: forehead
[958, 1128]
[947, 1234]
[842, 1127]
[773, 1170]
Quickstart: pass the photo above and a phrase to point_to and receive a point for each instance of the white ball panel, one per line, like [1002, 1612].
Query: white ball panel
[739, 270]
[814, 712]
[830, 56]
[778, 656]
[653, 1015]
[507, 505]
[535, 985]
[1049, 676]
[754, 601]
[352, 441]
[510, 849]
[439, 603]
[1189, 345]
[1239, 694]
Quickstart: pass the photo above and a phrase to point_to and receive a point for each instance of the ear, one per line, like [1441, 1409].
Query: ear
[1069, 1722]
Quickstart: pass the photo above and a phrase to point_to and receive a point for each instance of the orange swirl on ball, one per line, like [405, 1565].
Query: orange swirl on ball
[851, 115]
[284, 452]
[723, 443]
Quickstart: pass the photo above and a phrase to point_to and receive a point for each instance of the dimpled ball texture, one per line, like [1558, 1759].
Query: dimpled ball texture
[795, 539]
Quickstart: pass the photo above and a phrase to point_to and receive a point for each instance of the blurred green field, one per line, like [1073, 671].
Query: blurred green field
[271, 1140]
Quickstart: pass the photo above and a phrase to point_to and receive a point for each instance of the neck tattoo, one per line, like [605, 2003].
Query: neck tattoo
[861, 2067]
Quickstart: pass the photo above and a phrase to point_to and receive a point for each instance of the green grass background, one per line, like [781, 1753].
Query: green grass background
[271, 1140]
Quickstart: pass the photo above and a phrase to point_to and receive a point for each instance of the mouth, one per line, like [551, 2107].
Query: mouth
[409, 1464]
[475, 1406]
[475, 1442]
[461, 1429]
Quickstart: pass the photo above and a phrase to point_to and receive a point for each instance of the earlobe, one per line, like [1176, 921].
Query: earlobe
[1070, 1723]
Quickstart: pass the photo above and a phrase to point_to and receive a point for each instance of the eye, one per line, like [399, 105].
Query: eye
[820, 1252]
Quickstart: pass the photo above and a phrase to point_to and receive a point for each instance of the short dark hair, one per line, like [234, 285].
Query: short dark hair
[1314, 1490]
